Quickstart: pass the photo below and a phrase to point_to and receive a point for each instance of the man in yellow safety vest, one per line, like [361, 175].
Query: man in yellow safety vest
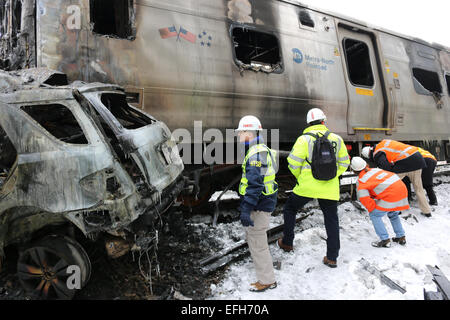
[258, 190]
[303, 165]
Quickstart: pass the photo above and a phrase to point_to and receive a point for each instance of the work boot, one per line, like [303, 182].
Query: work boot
[258, 287]
[284, 247]
[401, 240]
[330, 263]
[426, 215]
[382, 244]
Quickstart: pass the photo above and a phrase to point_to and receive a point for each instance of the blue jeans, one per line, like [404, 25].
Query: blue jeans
[376, 217]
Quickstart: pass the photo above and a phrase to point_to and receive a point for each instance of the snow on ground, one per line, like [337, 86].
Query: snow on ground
[229, 195]
[303, 276]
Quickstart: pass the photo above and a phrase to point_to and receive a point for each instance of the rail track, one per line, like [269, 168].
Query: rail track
[239, 250]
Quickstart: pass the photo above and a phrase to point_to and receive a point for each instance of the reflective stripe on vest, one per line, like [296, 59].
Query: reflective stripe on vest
[392, 205]
[292, 157]
[427, 154]
[369, 175]
[386, 184]
[394, 150]
[270, 185]
[363, 193]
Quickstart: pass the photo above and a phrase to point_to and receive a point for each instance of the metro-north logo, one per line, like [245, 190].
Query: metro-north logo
[298, 55]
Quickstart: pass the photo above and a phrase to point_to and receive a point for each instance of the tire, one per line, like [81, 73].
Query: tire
[42, 267]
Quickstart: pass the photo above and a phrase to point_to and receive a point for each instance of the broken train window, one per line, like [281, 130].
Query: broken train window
[255, 50]
[305, 19]
[59, 121]
[112, 18]
[426, 82]
[8, 156]
[10, 27]
[358, 63]
[10, 23]
[129, 117]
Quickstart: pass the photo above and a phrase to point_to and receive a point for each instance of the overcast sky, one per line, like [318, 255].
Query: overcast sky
[428, 20]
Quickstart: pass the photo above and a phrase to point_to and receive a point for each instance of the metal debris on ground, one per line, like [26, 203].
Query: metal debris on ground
[442, 283]
[383, 278]
[277, 265]
[406, 217]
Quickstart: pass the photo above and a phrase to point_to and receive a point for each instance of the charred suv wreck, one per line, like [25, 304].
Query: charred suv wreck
[80, 157]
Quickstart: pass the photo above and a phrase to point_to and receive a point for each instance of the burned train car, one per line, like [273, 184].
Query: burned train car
[77, 157]
[215, 61]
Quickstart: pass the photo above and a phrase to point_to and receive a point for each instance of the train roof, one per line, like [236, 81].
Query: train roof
[368, 25]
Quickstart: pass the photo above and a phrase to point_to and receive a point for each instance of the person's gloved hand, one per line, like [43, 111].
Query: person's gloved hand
[246, 220]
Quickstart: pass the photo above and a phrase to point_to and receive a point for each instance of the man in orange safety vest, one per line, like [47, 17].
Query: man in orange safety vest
[381, 192]
[404, 160]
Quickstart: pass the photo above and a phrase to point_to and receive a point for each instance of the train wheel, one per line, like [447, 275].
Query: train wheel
[42, 267]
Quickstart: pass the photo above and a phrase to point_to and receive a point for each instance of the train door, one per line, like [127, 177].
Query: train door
[366, 103]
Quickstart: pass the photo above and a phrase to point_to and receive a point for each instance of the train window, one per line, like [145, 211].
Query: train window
[8, 156]
[255, 50]
[447, 79]
[112, 17]
[10, 27]
[358, 63]
[59, 121]
[426, 82]
[3, 21]
[305, 19]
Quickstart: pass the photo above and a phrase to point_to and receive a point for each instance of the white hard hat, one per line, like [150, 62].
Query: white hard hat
[358, 164]
[366, 152]
[249, 123]
[315, 115]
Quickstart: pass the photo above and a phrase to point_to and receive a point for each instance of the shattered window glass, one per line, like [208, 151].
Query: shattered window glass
[8, 156]
[256, 50]
[358, 63]
[427, 80]
[59, 121]
[128, 117]
[112, 17]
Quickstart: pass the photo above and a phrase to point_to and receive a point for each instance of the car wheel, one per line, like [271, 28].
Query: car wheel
[42, 267]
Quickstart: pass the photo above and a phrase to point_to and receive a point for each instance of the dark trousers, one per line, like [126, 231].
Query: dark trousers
[427, 180]
[329, 209]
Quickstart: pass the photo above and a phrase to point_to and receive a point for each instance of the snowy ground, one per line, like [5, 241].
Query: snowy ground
[303, 276]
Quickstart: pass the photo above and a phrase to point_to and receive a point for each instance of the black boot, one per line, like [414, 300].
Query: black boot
[382, 244]
[401, 240]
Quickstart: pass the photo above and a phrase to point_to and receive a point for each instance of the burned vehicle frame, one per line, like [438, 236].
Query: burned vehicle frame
[79, 156]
